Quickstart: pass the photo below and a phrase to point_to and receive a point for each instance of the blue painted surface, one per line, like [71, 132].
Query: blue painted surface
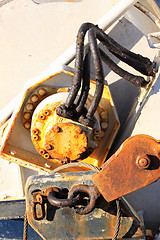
[13, 229]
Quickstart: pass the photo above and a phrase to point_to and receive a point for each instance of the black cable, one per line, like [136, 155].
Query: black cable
[138, 81]
[85, 87]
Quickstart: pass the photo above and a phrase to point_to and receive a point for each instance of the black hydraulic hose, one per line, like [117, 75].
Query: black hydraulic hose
[73, 110]
[99, 76]
[137, 61]
[138, 81]
[85, 87]
[68, 109]
[78, 64]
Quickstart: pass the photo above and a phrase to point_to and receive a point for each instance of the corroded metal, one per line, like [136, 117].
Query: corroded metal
[23, 152]
[137, 61]
[135, 165]
[91, 191]
[65, 223]
[34, 99]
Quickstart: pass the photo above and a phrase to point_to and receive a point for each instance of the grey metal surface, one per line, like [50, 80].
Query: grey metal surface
[12, 209]
[64, 223]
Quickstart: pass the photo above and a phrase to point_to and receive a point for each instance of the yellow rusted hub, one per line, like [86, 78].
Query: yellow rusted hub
[57, 138]
[65, 141]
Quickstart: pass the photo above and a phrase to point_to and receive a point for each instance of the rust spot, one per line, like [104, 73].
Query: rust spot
[29, 106]
[34, 98]
[27, 115]
[122, 168]
[42, 92]
[27, 125]
[35, 131]
[47, 112]
[56, 129]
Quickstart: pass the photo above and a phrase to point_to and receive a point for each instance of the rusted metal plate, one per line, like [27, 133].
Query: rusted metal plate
[135, 165]
[65, 223]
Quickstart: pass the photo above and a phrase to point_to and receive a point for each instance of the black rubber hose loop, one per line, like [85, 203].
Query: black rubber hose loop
[85, 86]
[137, 61]
[99, 72]
[138, 81]
[78, 64]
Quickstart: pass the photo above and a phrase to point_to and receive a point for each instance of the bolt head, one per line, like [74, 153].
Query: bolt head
[143, 162]
[56, 129]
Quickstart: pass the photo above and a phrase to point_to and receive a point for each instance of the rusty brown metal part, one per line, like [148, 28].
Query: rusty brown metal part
[135, 165]
[52, 192]
[91, 191]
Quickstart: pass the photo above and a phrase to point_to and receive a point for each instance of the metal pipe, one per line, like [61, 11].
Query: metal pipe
[138, 81]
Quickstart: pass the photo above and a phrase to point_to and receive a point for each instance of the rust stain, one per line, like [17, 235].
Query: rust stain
[121, 175]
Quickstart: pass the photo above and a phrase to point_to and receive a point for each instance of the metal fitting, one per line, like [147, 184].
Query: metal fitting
[42, 116]
[27, 116]
[34, 98]
[42, 92]
[104, 125]
[42, 151]
[143, 162]
[46, 113]
[29, 106]
[46, 155]
[35, 137]
[27, 125]
[35, 131]
[104, 115]
[48, 147]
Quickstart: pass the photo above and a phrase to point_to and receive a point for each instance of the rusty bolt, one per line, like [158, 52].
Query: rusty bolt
[27, 115]
[49, 147]
[39, 198]
[34, 98]
[46, 155]
[27, 125]
[35, 131]
[35, 137]
[104, 125]
[143, 162]
[56, 129]
[96, 131]
[96, 137]
[42, 117]
[42, 151]
[29, 106]
[78, 130]
[104, 115]
[46, 112]
[42, 92]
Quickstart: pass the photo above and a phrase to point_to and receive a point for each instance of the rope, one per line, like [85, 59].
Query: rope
[25, 229]
[115, 235]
